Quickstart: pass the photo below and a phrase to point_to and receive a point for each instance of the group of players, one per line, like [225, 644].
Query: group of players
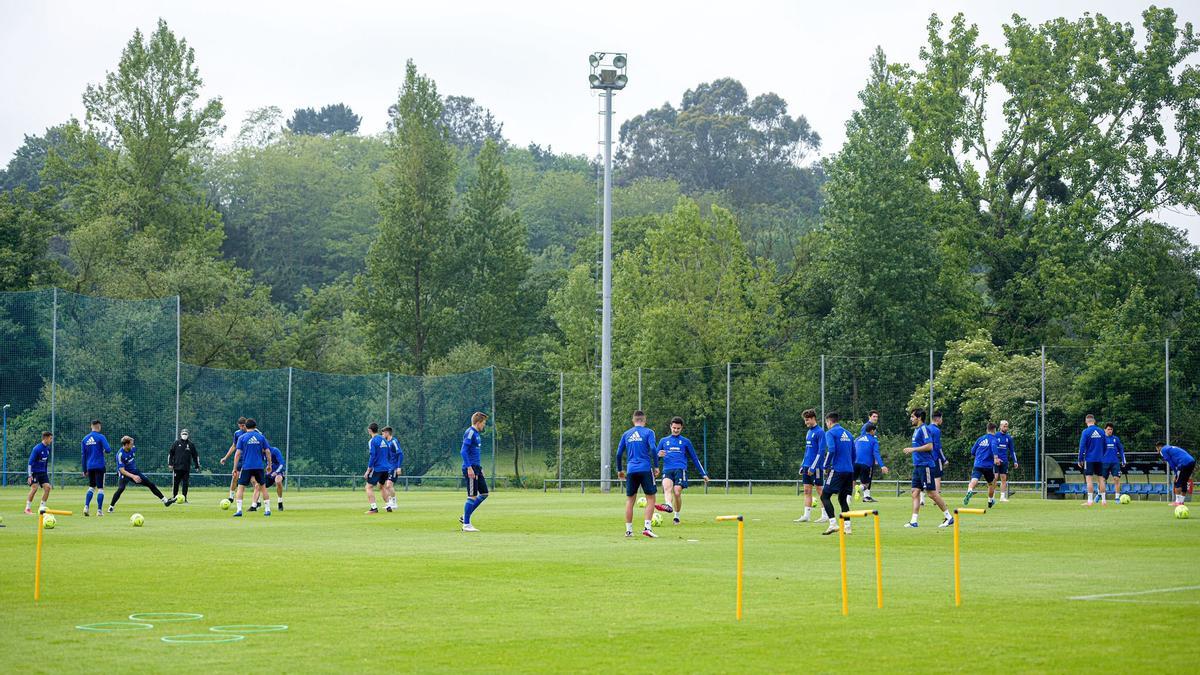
[644, 456]
[1102, 457]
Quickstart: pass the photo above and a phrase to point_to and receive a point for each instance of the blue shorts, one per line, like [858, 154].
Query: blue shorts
[817, 477]
[922, 478]
[937, 471]
[41, 478]
[1094, 468]
[984, 472]
[378, 477]
[245, 476]
[678, 476]
[1001, 469]
[640, 479]
[839, 482]
[475, 486]
[270, 478]
[1111, 469]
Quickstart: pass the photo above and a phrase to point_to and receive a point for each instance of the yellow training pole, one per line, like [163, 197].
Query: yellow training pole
[37, 572]
[957, 572]
[842, 546]
[878, 564]
[740, 549]
[842, 520]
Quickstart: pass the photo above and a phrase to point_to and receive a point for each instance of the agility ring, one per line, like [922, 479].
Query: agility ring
[248, 628]
[115, 626]
[202, 638]
[165, 617]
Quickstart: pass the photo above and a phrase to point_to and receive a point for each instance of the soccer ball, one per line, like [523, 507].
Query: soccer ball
[1181, 511]
[137, 520]
[641, 501]
[49, 522]
[225, 504]
[657, 519]
[857, 493]
[1125, 499]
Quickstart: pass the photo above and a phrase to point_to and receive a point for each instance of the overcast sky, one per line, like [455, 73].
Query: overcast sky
[526, 61]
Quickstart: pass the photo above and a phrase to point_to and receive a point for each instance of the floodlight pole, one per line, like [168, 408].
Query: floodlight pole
[606, 317]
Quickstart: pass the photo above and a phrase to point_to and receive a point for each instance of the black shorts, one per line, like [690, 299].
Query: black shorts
[478, 485]
[839, 482]
[640, 479]
[272, 476]
[984, 472]
[817, 478]
[95, 478]
[863, 473]
[41, 478]
[922, 478]
[1184, 475]
[246, 474]
[1094, 468]
[378, 477]
[1001, 469]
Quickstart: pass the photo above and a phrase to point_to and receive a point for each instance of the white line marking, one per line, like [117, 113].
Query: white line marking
[1103, 596]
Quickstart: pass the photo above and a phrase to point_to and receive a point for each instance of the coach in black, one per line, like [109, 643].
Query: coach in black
[181, 458]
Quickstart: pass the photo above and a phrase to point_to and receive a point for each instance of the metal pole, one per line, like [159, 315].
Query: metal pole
[728, 397]
[287, 431]
[640, 388]
[387, 404]
[177, 359]
[930, 381]
[1041, 440]
[822, 388]
[560, 428]
[53, 377]
[495, 435]
[606, 322]
[4, 472]
[1167, 372]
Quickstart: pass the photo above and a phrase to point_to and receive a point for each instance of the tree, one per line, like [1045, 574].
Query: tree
[470, 125]
[25, 231]
[25, 167]
[413, 285]
[329, 120]
[1082, 155]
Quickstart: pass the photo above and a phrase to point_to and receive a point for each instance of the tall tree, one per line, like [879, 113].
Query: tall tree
[413, 284]
[329, 120]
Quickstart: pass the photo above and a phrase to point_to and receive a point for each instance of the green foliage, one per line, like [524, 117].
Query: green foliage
[26, 226]
[336, 118]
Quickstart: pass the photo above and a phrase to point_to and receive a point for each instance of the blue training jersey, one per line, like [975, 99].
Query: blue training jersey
[921, 436]
[1114, 450]
[94, 447]
[678, 451]
[472, 446]
[935, 436]
[395, 453]
[253, 446]
[1091, 444]
[839, 450]
[1176, 457]
[638, 443]
[127, 459]
[866, 450]
[984, 451]
[277, 463]
[378, 454]
[39, 459]
[1004, 447]
[814, 445]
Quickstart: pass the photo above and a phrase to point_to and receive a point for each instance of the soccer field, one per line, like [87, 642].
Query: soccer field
[551, 584]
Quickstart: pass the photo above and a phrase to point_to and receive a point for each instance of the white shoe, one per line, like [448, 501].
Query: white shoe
[831, 529]
[649, 533]
[947, 522]
[802, 519]
[1003, 498]
[822, 519]
[469, 528]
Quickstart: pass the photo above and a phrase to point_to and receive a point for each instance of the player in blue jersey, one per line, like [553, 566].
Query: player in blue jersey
[1182, 463]
[128, 472]
[924, 464]
[637, 445]
[838, 462]
[378, 470]
[987, 458]
[675, 451]
[811, 473]
[472, 469]
[38, 472]
[939, 458]
[94, 446]
[1114, 459]
[1007, 452]
[275, 476]
[396, 460]
[1091, 458]
[233, 476]
[872, 419]
[867, 457]
[253, 455]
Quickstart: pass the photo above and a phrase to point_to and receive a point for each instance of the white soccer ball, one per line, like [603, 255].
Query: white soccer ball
[137, 520]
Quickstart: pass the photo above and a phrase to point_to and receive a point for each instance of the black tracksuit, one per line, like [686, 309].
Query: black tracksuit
[181, 458]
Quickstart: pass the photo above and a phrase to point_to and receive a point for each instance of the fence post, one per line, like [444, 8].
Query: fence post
[1040, 457]
[387, 402]
[287, 431]
[177, 358]
[640, 388]
[728, 398]
[560, 428]
[930, 381]
[495, 433]
[53, 378]
[822, 389]
[1167, 373]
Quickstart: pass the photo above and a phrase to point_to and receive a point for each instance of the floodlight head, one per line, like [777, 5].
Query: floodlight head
[593, 80]
[622, 81]
[608, 70]
[619, 61]
[594, 59]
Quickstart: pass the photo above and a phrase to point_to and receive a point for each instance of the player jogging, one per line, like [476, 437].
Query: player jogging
[1114, 459]
[472, 469]
[237, 434]
[811, 474]
[128, 471]
[1007, 452]
[94, 446]
[987, 458]
[924, 463]
[867, 457]
[378, 470]
[637, 444]
[254, 458]
[1091, 456]
[1182, 463]
[939, 457]
[838, 462]
[396, 460]
[675, 451]
[37, 472]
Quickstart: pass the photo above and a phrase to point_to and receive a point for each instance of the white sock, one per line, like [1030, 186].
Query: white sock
[846, 527]
[239, 505]
[807, 511]
[629, 527]
[647, 525]
[374, 507]
[914, 518]
[922, 500]
[28, 505]
[947, 514]
[43, 506]
[267, 506]
[867, 492]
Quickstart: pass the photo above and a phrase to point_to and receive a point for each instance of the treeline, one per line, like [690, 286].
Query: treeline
[948, 220]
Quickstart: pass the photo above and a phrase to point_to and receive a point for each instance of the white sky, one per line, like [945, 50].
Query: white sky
[525, 60]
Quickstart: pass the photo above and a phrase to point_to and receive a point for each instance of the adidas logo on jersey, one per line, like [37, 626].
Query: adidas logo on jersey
[635, 436]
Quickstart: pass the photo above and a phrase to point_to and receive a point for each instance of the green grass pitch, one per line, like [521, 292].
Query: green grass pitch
[551, 584]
